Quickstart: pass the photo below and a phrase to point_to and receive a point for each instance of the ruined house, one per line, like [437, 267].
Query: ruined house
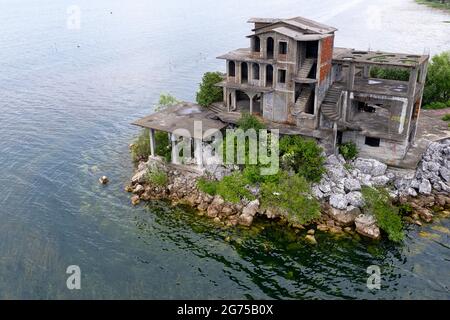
[294, 78]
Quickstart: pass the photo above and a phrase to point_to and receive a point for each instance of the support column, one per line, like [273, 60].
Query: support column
[152, 142]
[198, 151]
[175, 151]
[350, 84]
[412, 83]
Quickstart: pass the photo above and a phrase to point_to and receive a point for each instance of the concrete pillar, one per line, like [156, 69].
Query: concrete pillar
[412, 84]
[198, 151]
[152, 142]
[175, 151]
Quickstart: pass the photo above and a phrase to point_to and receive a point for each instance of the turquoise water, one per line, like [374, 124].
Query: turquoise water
[67, 100]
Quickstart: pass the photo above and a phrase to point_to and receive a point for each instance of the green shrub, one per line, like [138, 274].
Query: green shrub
[446, 117]
[140, 149]
[405, 209]
[437, 105]
[348, 150]
[293, 195]
[303, 155]
[389, 73]
[232, 188]
[207, 186]
[208, 92]
[158, 178]
[249, 121]
[163, 145]
[378, 202]
[165, 101]
[437, 86]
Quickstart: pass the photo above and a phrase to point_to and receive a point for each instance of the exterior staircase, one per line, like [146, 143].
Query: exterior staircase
[302, 100]
[217, 107]
[329, 105]
[306, 68]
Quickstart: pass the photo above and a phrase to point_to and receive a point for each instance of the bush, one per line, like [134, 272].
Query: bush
[165, 101]
[231, 188]
[303, 155]
[378, 202]
[437, 86]
[158, 178]
[140, 149]
[208, 92]
[293, 195]
[348, 150]
[446, 117]
[249, 121]
[163, 145]
[389, 73]
[207, 186]
[437, 105]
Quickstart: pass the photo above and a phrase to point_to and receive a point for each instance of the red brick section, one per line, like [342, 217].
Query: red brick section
[326, 57]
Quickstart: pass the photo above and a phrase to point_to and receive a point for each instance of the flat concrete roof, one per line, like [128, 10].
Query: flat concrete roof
[244, 54]
[182, 116]
[405, 60]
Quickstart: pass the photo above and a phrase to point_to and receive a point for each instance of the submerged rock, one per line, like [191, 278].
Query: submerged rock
[103, 180]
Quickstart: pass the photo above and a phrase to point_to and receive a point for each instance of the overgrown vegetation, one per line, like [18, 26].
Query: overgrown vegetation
[140, 149]
[157, 177]
[302, 155]
[209, 93]
[292, 194]
[446, 117]
[163, 145]
[389, 73]
[348, 150]
[437, 87]
[165, 100]
[249, 121]
[437, 4]
[378, 202]
[232, 188]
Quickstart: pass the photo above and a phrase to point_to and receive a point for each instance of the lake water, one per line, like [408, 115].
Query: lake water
[67, 98]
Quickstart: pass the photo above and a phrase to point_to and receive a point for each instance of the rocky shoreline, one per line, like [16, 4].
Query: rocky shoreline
[426, 190]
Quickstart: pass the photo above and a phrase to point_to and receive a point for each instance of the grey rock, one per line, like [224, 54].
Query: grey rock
[355, 199]
[412, 192]
[139, 177]
[351, 184]
[338, 201]
[425, 187]
[380, 181]
[315, 190]
[445, 173]
[345, 217]
[251, 208]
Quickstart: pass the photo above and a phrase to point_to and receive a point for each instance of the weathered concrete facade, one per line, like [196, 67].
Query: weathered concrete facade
[293, 75]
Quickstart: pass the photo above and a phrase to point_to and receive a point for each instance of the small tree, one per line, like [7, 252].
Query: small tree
[208, 92]
[165, 101]
[437, 87]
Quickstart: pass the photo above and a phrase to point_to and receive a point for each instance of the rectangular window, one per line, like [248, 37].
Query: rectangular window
[373, 142]
[282, 47]
[281, 76]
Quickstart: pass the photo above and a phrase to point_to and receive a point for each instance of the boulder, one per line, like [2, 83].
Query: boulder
[351, 184]
[138, 189]
[315, 190]
[366, 225]
[412, 192]
[338, 201]
[139, 177]
[336, 172]
[251, 208]
[345, 217]
[445, 173]
[425, 187]
[245, 220]
[135, 200]
[370, 166]
[103, 180]
[311, 239]
[380, 181]
[355, 199]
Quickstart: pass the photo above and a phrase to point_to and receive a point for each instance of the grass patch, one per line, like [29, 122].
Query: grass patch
[158, 178]
[293, 195]
[446, 117]
[232, 188]
[378, 202]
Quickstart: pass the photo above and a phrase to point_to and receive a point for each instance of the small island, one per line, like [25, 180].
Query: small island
[314, 136]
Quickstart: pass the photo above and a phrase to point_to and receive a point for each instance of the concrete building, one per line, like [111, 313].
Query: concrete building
[293, 77]
[297, 81]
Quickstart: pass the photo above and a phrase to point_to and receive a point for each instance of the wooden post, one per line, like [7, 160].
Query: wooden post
[152, 142]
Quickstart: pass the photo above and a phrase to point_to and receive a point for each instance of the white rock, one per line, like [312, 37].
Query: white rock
[380, 181]
[139, 177]
[355, 198]
[445, 173]
[338, 201]
[351, 184]
[412, 192]
[425, 187]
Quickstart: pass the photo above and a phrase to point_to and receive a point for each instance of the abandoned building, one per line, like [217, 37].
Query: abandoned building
[294, 78]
